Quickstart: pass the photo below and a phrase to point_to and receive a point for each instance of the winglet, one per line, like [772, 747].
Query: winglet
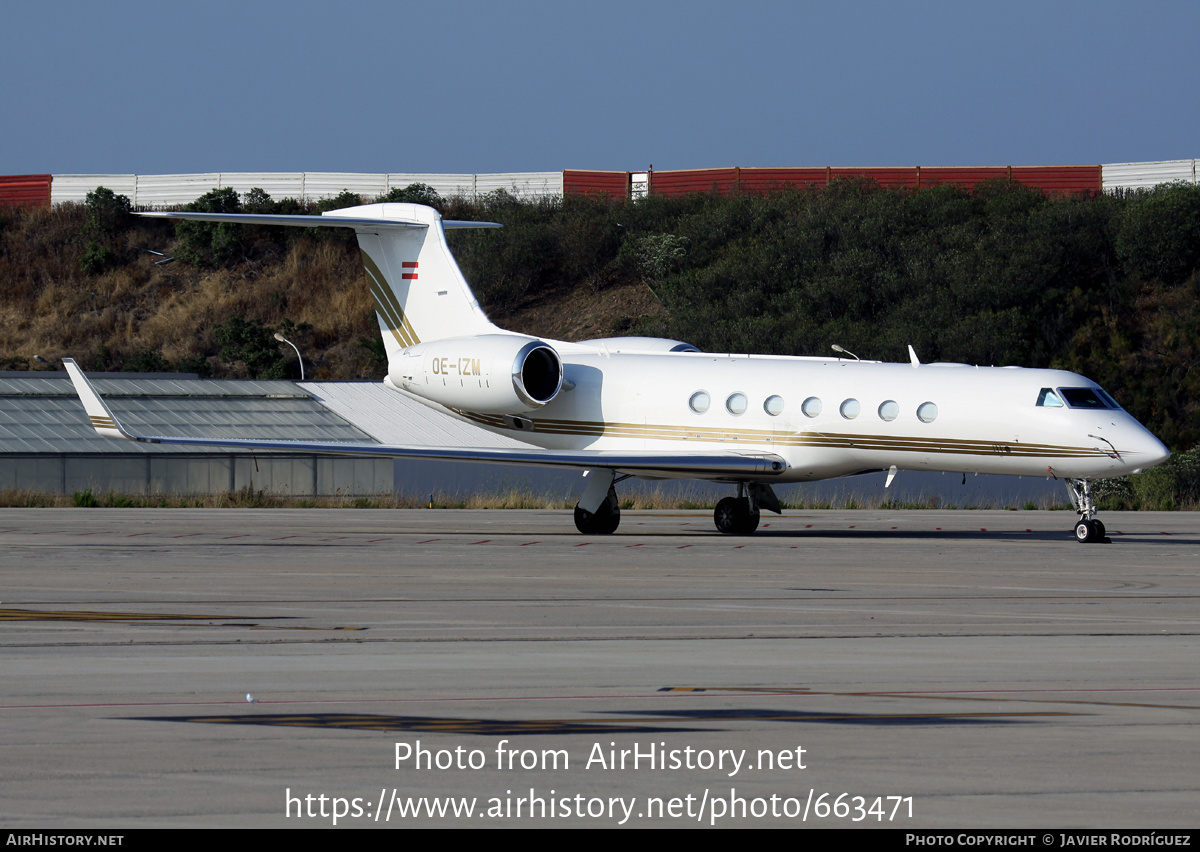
[101, 416]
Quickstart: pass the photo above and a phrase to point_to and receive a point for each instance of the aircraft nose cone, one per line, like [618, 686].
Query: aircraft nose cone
[1148, 451]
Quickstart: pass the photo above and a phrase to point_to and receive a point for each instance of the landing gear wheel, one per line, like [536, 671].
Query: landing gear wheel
[725, 516]
[1088, 530]
[604, 522]
[733, 516]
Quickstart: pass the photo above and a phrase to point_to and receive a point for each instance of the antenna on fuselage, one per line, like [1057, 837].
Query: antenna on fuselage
[844, 351]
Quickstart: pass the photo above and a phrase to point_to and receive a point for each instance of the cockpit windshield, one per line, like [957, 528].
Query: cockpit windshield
[1075, 398]
[1082, 398]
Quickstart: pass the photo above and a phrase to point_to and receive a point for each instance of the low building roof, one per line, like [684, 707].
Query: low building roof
[43, 415]
[40, 413]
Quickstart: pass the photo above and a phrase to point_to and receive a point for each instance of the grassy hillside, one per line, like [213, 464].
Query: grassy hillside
[1107, 287]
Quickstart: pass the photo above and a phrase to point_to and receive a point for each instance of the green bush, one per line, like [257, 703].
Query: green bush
[210, 243]
[96, 259]
[658, 255]
[343, 199]
[1158, 237]
[252, 343]
[84, 500]
[152, 361]
[259, 201]
[107, 213]
[147, 361]
[414, 193]
[1175, 484]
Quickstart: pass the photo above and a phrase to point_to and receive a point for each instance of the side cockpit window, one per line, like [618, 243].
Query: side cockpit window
[1048, 399]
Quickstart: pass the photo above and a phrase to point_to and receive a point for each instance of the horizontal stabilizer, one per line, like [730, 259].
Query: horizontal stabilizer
[327, 221]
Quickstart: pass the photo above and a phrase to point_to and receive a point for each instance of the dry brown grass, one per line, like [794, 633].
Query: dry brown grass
[49, 307]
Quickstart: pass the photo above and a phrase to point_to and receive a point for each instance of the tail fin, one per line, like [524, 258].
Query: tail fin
[420, 293]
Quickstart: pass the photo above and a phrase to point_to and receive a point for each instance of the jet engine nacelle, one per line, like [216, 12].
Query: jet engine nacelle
[488, 374]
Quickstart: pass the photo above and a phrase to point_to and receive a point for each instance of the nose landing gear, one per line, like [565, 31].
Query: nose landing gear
[1088, 530]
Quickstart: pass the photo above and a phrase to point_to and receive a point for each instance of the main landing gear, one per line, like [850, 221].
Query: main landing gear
[739, 515]
[733, 516]
[604, 520]
[1088, 530]
[598, 512]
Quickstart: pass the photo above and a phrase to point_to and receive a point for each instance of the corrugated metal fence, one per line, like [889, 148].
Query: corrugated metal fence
[25, 190]
[176, 190]
[1056, 180]
[1146, 175]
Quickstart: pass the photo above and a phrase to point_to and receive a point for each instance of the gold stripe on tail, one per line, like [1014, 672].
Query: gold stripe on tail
[388, 307]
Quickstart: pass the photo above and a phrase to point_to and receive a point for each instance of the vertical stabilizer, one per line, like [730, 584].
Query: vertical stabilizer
[420, 293]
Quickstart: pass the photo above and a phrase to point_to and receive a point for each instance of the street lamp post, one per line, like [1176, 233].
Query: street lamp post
[283, 339]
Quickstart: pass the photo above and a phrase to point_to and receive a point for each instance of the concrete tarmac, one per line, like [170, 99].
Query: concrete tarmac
[941, 669]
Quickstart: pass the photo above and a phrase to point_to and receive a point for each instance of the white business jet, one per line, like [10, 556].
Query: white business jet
[660, 409]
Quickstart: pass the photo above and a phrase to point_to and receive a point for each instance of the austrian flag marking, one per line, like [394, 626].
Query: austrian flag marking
[409, 264]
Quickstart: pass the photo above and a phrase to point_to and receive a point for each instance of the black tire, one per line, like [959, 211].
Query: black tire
[725, 516]
[1099, 525]
[611, 520]
[603, 522]
[733, 516]
[1085, 531]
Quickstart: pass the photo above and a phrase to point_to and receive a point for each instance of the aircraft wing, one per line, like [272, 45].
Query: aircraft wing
[719, 465]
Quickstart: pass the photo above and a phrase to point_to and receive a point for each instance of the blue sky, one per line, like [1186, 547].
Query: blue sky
[467, 86]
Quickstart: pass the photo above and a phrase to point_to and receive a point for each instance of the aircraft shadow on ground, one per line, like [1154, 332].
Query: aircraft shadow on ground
[1140, 538]
[640, 723]
[817, 717]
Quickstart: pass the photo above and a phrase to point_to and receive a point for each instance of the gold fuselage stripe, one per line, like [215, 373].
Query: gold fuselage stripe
[822, 440]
